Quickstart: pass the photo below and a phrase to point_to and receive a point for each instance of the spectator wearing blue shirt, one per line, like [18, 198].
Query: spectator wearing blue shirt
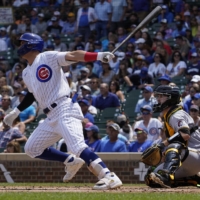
[106, 99]
[146, 100]
[141, 144]
[69, 27]
[113, 144]
[84, 104]
[104, 14]
[165, 14]
[27, 115]
[92, 137]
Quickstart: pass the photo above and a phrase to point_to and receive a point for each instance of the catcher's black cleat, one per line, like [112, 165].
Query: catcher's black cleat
[163, 179]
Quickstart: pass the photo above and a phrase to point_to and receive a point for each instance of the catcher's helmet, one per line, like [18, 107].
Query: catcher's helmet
[33, 43]
[173, 94]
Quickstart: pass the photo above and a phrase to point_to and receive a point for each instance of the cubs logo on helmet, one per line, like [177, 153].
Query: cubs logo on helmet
[44, 73]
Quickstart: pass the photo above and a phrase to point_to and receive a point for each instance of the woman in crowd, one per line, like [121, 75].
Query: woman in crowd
[177, 66]
[107, 74]
[194, 113]
[115, 89]
[17, 124]
[13, 147]
[157, 68]
[148, 39]
[92, 137]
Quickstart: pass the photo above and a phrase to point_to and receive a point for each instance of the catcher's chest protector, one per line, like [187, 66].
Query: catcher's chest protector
[169, 131]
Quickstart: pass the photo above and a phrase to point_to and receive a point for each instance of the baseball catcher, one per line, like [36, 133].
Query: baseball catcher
[181, 149]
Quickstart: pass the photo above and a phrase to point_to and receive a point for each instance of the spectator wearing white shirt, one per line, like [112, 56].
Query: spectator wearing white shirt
[19, 3]
[177, 66]
[157, 68]
[3, 45]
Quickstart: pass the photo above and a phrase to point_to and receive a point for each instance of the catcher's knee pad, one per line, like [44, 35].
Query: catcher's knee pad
[97, 168]
[149, 182]
[172, 157]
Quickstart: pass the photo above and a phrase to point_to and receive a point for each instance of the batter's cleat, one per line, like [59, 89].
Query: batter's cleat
[163, 180]
[110, 181]
[71, 168]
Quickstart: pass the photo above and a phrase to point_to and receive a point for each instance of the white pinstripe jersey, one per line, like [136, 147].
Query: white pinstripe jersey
[45, 79]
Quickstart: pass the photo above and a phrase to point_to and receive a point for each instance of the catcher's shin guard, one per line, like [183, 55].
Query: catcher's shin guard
[172, 158]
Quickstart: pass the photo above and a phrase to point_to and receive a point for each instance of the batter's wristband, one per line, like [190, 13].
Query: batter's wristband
[90, 56]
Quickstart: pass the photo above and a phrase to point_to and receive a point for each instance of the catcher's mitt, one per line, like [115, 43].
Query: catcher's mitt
[152, 156]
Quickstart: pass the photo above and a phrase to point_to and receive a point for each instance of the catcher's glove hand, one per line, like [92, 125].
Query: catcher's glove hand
[153, 155]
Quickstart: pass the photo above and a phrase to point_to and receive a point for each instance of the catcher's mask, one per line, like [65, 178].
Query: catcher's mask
[173, 97]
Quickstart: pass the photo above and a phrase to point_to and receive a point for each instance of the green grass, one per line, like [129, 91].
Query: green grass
[96, 196]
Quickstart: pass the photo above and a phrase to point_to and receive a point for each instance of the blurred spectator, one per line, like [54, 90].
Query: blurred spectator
[27, 27]
[41, 24]
[189, 98]
[92, 137]
[72, 85]
[157, 68]
[59, 21]
[188, 35]
[139, 81]
[55, 28]
[193, 67]
[2, 114]
[16, 71]
[115, 89]
[179, 30]
[69, 27]
[28, 115]
[187, 20]
[119, 76]
[86, 19]
[166, 29]
[5, 36]
[148, 40]
[15, 98]
[90, 66]
[85, 90]
[94, 85]
[92, 110]
[162, 135]
[77, 44]
[13, 147]
[39, 3]
[6, 90]
[84, 104]
[120, 136]
[106, 99]
[9, 134]
[196, 45]
[6, 104]
[19, 3]
[148, 123]
[141, 8]
[18, 125]
[34, 17]
[194, 113]
[141, 144]
[140, 43]
[164, 80]
[147, 93]
[104, 14]
[113, 144]
[3, 45]
[126, 129]
[196, 99]
[59, 46]
[97, 46]
[177, 65]
[184, 45]
[165, 14]
[194, 26]
[118, 13]
[83, 78]
[47, 41]
[107, 74]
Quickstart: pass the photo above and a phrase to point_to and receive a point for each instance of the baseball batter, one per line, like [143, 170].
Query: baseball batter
[182, 148]
[47, 85]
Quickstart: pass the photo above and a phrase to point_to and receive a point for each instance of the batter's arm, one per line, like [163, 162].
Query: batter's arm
[26, 102]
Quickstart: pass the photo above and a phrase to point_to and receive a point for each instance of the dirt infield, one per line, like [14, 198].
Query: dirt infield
[86, 189]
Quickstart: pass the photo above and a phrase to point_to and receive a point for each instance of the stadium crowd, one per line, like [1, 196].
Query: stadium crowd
[166, 50]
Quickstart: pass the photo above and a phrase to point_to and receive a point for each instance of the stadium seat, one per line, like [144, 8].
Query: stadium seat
[108, 113]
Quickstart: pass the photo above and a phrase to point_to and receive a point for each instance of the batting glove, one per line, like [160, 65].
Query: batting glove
[9, 118]
[105, 57]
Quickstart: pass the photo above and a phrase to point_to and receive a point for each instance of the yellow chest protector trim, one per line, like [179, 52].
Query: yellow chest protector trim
[169, 131]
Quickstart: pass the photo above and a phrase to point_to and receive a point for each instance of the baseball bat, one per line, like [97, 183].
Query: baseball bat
[148, 18]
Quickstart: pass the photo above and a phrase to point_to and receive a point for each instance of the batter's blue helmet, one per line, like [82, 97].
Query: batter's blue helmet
[33, 43]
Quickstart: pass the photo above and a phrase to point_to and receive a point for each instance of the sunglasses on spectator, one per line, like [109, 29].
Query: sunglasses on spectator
[5, 99]
[193, 110]
[4, 91]
[145, 112]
